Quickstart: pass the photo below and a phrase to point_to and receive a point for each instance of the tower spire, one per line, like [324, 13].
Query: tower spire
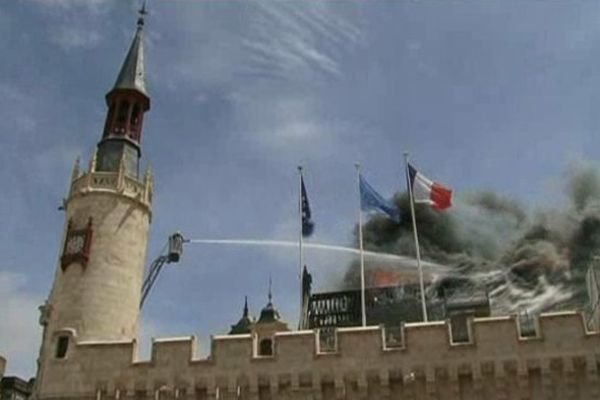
[127, 102]
[132, 74]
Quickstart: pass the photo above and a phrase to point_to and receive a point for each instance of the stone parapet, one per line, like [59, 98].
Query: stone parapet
[424, 363]
[137, 190]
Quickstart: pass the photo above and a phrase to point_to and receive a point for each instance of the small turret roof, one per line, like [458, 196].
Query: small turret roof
[244, 325]
[269, 313]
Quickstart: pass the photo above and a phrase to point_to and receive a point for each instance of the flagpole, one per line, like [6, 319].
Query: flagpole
[416, 236]
[300, 244]
[362, 251]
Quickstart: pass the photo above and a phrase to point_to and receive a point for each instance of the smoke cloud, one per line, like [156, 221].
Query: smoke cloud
[525, 259]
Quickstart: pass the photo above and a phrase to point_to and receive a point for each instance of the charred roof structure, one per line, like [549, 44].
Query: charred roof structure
[392, 306]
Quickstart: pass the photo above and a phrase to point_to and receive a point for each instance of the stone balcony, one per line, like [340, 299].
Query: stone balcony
[138, 190]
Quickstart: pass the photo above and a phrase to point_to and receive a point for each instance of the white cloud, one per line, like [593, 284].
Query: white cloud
[20, 333]
[92, 5]
[72, 37]
[75, 24]
[279, 121]
[16, 108]
[47, 166]
[268, 40]
[298, 38]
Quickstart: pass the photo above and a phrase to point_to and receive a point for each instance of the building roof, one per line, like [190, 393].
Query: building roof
[269, 313]
[244, 325]
[14, 384]
[132, 75]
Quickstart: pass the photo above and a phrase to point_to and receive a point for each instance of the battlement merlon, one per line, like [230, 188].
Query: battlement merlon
[424, 349]
[138, 190]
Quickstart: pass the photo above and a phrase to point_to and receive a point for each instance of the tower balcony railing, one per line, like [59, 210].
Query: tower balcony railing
[114, 182]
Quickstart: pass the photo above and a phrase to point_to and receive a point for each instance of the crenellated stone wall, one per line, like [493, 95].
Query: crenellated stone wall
[560, 362]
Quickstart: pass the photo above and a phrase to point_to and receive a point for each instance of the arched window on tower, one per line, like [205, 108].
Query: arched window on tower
[265, 348]
[134, 121]
[122, 114]
[109, 118]
[135, 115]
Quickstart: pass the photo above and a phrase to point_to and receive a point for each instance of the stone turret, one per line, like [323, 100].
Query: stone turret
[96, 291]
[268, 324]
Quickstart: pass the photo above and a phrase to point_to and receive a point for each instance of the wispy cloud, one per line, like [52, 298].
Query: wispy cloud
[92, 5]
[71, 37]
[291, 41]
[75, 24]
[16, 109]
[298, 38]
[19, 331]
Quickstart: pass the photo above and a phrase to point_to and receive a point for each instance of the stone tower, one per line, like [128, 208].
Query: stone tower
[96, 291]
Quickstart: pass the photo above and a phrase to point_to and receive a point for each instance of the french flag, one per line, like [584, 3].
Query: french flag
[426, 191]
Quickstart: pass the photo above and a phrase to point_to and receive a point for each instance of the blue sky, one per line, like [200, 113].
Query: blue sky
[495, 94]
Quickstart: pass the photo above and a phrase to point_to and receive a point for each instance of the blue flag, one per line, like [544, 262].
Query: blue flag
[370, 200]
[307, 224]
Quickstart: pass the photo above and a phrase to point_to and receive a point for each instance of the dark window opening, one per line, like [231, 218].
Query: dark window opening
[123, 110]
[109, 117]
[266, 347]
[135, 115]
[62, 345]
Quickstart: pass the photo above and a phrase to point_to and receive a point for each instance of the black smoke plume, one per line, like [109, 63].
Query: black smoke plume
[527, 260]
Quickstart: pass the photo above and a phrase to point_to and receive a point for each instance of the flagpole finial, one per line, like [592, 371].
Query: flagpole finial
[357, 165]
[300, 168]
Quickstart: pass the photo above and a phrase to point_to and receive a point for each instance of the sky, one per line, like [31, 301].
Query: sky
[496, 94]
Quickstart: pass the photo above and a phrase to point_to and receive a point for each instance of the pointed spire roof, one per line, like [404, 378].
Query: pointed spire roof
[131, 75]
[244, 325]
[245, 315]
[269, 313]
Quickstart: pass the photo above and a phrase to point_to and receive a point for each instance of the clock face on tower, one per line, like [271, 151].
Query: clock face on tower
[77, 246]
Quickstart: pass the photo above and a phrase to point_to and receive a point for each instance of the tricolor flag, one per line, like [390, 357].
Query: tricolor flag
[424, 190]
[307, 224]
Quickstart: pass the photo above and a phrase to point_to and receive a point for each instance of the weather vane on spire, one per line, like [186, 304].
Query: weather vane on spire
[142, 12]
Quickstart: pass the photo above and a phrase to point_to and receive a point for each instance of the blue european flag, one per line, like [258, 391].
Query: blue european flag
[370, 200]
[308, 225]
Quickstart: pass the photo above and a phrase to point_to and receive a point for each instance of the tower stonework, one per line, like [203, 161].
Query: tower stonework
[96, 291]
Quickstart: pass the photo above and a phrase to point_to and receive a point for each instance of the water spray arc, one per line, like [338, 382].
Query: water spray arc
[319, 246]
[172, 251]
